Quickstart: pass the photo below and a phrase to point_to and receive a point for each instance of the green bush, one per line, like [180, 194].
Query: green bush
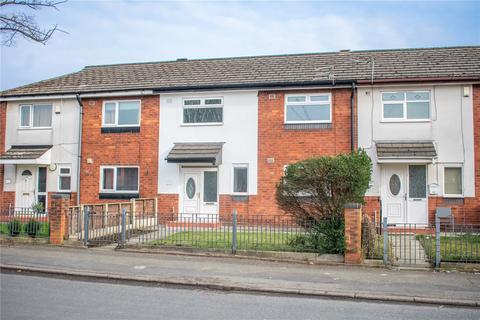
[32, 227]
[317, 190]
[14, 227]
[326, 236]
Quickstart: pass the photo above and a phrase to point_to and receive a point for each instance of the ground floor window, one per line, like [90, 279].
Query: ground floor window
[240, 178]
[64, 179]
[119, 179]
[453, 183]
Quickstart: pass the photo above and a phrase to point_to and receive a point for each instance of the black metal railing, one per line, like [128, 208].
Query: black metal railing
[24, 222]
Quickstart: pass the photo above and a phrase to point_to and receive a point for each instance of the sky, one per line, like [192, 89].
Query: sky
[121, 31]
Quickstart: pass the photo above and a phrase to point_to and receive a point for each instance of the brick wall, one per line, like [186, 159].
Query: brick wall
[140, 148]
[167, 204]
[287, 146]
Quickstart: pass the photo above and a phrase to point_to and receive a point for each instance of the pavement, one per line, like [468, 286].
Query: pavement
[244, 275]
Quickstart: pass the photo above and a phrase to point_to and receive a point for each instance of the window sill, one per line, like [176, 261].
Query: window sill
[120, 129]
[405, 121]
[453, 196]
[113, 195]
[307, 126]
[240, 198]
[39, 128]
[213, 124]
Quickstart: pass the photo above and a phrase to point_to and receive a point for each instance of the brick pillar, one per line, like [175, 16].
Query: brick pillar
[58, 217]
[353, 233]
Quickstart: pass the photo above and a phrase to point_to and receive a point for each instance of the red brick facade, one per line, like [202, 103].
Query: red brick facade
[126, 148]
[285, 146]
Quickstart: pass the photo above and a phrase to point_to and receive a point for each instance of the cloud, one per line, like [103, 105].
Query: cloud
[124, 31]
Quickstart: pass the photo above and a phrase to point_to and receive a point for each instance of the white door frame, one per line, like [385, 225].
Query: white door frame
[19, 192]
[204, 208]
[407, 207]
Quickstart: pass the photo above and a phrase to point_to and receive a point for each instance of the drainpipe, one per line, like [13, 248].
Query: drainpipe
[352, 118]
[79, 164]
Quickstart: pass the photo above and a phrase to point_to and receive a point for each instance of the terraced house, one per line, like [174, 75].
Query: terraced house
[210, 135]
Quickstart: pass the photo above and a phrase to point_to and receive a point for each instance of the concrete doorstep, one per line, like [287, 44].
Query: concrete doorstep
[210, 284]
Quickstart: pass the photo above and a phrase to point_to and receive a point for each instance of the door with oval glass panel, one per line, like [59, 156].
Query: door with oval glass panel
[191, 193]
[394, 193]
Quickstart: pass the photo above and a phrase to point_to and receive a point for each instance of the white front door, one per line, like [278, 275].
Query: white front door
[25, 191]
[200, 191]
[191, 193]
[394, 193]
[404, 194]
[417, 206]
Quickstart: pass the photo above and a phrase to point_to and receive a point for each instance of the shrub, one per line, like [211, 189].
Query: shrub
[317, 190]
[32, 227]
[14, 227]
[326, 236]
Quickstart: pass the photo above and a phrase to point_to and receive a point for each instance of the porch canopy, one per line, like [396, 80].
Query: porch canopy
[401, 152]
[33, 154]
[196, 152]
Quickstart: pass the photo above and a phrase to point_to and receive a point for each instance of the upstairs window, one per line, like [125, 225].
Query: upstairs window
[119, 179]
[311, 108]
[203, 111]
[121, 114]
[36, 116]
[406, 106]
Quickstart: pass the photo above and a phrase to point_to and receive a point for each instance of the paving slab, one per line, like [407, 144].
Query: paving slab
[262, 275]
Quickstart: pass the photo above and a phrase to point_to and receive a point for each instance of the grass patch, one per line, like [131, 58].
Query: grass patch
[459, 248]
[223, 240]
[43, 232]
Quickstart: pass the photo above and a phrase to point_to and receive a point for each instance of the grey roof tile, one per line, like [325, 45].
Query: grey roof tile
[453, 63]
[405, 150]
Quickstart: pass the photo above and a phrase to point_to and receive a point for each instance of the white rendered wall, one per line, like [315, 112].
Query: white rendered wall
[239, 132]
[450, 129]
[63, 135]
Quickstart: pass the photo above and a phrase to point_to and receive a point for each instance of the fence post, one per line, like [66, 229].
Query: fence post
[155, 203]
[353, 233]
[385, 240]
[86, 214]
[124, 227]
[234, 231]
[133, 209]
[58, 218]
[437, 242]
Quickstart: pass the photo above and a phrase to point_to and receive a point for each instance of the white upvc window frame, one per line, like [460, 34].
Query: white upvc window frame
[448, 195]
[307, 102]
[31, 106]
[114, 190]
[60, 175]
[117, 103]
[244, 166]
[202, 105]
[404, 103]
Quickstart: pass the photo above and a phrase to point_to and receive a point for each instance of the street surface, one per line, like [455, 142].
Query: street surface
[31, 297]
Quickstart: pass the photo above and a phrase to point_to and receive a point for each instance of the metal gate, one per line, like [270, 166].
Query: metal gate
[98, 228]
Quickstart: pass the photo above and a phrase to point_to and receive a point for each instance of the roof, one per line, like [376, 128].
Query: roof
[16, 153]
[204, 152]
[406, 150]
[450, 63]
